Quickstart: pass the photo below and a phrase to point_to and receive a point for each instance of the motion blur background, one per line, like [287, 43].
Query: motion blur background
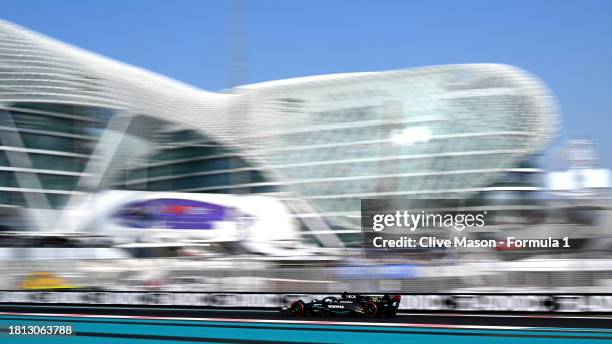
[115, 177]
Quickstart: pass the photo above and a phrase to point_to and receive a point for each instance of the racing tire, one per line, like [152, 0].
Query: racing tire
[370, 310]
[297, 309]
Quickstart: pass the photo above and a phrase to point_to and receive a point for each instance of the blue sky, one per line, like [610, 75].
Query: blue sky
[567, 44]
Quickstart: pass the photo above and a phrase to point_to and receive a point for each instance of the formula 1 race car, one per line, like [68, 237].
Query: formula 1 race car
[369, 306]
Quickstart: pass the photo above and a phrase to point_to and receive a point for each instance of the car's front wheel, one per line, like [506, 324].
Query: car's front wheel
[297, 308]
[370, 310]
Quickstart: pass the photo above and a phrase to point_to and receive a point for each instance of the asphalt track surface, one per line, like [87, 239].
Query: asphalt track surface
[175, 324]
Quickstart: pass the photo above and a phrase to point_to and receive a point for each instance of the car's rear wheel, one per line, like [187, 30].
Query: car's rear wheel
[297, 308]
[370, 310]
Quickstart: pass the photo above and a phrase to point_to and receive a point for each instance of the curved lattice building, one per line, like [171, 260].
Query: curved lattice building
[73, 121]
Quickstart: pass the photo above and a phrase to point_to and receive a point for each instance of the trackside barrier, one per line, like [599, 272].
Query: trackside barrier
[593, 303]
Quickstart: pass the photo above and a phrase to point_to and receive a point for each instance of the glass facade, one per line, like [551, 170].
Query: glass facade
[55, 147]
[187, 161]
[45, 149]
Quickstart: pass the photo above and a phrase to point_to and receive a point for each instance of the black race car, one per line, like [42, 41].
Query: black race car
[369, 306]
